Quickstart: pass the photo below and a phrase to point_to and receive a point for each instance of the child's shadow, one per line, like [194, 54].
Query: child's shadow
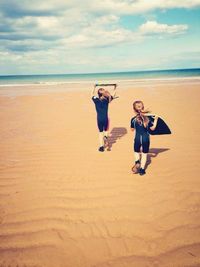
[153, 152]
[115, 134]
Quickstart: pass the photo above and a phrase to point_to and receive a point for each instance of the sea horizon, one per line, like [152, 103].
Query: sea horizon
[96, 77]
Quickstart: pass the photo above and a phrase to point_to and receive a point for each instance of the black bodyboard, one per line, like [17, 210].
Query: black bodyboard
[161, 128]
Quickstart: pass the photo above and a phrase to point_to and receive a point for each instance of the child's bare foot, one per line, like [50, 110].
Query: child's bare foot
[106, 144]
[136, 167]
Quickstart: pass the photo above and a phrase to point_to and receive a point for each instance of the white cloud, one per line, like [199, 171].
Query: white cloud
[98, 38]
[103, 31]
[56, 32]
[153, 27]
[140, 6]
[77, 22]
[47, 32]
[106, 31]
[111, 6]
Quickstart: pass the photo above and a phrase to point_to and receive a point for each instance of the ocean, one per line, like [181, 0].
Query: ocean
[98, 77]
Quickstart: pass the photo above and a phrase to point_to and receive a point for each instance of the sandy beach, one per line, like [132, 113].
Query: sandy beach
[64, 204]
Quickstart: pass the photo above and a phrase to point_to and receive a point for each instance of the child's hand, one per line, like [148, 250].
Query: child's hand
[156, 117]
[106, 93]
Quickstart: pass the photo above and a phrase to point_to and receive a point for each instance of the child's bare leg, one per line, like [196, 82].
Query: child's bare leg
[143, 163]
[101, 139]
[137, 156]
[136, 167]
[106, 134]
[143, 160]
[106, 139]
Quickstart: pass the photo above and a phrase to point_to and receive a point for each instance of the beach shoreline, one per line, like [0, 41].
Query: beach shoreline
[37, 89]
[116, 80]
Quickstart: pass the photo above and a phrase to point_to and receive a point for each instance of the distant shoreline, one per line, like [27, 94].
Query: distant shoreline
[106, 73]
[79, 82]
[135, 76]
[14, 90]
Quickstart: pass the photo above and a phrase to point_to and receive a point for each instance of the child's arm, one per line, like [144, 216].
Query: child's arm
[153, 127]
[93, 91]
[114, 91]
[112, 95]
[108, 94]
[132, 126]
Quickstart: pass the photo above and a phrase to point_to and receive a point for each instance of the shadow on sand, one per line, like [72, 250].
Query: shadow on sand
[153, 153]
[115, 134]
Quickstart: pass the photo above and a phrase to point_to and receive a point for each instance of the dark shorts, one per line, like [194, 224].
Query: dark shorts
[103, 124]
[142, 141]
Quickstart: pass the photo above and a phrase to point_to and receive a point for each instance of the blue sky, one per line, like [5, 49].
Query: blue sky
[59, 36]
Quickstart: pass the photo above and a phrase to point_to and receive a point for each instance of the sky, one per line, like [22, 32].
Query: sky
[71, 36]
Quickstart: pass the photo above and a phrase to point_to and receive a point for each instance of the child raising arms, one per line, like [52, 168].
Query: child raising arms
[102, 102]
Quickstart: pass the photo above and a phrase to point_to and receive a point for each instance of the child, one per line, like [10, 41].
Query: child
[141, 123]
[101, 103]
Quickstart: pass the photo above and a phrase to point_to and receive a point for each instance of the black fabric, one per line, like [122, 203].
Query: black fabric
[102, 112]
[101, 107]
[140, 129]
[102, 124]
[142, 139]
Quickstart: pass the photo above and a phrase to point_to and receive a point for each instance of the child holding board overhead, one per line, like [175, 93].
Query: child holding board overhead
[102, 98]
[141, 125]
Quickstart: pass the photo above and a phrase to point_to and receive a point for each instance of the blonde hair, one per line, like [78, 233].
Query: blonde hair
[141, 117]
